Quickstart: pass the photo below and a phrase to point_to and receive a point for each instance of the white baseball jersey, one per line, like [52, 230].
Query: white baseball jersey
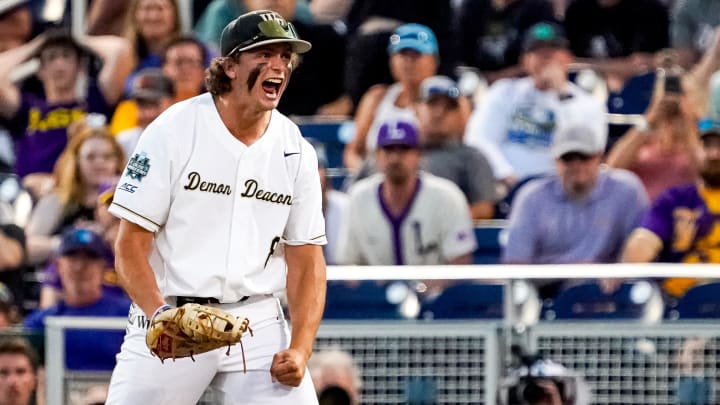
[515, 125]
[435, 228]
[221, 210]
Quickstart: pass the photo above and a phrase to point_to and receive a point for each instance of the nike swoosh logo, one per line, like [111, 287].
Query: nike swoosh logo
[291, 153]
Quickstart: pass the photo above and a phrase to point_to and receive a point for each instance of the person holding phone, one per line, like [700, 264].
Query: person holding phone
[662, 147]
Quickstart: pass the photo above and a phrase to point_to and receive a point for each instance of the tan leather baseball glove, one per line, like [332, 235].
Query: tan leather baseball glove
[193, 329]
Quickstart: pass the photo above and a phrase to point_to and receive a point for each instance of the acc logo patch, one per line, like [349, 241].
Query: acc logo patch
[138, 166]
[128, 187]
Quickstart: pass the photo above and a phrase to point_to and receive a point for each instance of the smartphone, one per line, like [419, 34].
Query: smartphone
[673, 84]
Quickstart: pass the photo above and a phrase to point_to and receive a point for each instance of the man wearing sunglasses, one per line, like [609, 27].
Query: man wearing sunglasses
[221, 205]
[583, 214]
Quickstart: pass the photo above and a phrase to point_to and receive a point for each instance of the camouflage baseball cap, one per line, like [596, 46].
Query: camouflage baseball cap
[259, 28]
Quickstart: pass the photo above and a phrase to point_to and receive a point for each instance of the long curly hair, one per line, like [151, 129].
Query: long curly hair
[70, 186]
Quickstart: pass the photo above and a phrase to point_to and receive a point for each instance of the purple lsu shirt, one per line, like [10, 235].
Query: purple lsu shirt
[40, 129]
[689, 230]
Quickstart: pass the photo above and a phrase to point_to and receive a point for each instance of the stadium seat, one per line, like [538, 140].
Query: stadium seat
[366, 300]
[472, 300]
[633, 300]
[699, 302]
[466, 301]
[489, 248]
[331, 136]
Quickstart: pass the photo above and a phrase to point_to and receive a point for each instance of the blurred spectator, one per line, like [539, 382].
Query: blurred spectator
[518, 119]
[692, 28]
[413, 51]
[335, 369]
[370, 25]
[81, 263]
[663, 149]
[403, 215]
[695, 385]
[617, 38]
[220, 12]
[150, 26]
[334, 206]
[491, 33]
[39, 123]
[183, 62]
[16, 24]
[701, 89]
[105, 225]
[92, 157]
[681, 224]
[304, 95]
[12, 257]
[19, 364]
[107, 17]
[441, 121]
[330, 11]
[581, 215]
[153, 93]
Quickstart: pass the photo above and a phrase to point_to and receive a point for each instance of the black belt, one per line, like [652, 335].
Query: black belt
[181, 300]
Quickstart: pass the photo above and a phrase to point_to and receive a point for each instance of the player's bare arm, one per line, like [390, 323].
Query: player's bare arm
[132, 249]
[306, 284]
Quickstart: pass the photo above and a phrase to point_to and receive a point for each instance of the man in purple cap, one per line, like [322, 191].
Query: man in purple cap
[402, 215]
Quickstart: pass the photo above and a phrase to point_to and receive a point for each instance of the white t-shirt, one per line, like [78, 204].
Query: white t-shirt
[515, 125]
[221, 211]
[435, 228]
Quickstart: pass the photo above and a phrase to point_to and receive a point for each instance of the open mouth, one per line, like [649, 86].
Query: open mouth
[271, 87]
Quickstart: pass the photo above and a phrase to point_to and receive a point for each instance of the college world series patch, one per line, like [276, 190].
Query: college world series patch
[138, 166]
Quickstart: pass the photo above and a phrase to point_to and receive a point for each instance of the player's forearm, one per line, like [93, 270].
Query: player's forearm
[136, 276]
[306, 285]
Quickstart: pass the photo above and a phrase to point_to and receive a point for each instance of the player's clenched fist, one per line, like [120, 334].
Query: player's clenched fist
[288, 367]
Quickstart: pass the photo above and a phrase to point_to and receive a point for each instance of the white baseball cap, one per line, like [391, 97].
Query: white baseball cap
[577, 138]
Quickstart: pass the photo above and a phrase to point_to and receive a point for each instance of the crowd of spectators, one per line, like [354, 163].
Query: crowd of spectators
[462, 109]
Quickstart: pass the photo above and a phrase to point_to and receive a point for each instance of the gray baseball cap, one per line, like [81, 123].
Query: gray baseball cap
[577, 138]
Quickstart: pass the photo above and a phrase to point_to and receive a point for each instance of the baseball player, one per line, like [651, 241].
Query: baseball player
[221, 205]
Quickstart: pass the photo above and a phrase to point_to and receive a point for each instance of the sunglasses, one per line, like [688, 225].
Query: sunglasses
[573, 156]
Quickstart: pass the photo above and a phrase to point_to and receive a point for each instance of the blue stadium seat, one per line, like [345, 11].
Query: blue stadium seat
[700, 302]
[366, 300]
[488, 240]
[633, 300]
[466, 301]
[329, 135]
